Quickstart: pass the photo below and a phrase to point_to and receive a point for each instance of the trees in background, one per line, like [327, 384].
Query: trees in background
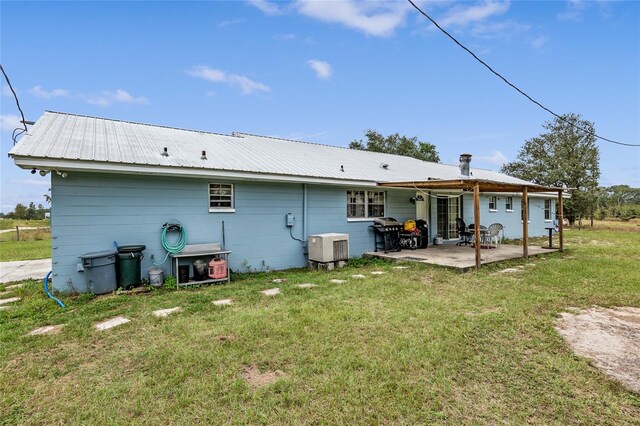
[397, 144]
[23, 212]
[563, 156]
[618, 201]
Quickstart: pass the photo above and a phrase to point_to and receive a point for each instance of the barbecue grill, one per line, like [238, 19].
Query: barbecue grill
[386, 233]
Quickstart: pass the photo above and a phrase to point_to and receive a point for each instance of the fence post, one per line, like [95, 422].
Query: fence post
[17, 233]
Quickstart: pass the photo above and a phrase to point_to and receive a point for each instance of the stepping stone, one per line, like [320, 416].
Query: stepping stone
[400, 267]
[161, 313]
[4, 293]
[377, 272]
[4, 308]
[49, 329]
[271, 292]
[13, 287]
[307, 285]
[279, 280]
[113, 322]
[359, 276]
[9, 300]
[509, 270]
[222, 302]
[338, 281]
[530, 264]
[520, 266]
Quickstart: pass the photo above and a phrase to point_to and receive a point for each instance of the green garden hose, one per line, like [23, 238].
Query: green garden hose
[179, 245]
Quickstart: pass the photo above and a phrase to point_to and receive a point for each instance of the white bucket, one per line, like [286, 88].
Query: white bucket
[156, 276]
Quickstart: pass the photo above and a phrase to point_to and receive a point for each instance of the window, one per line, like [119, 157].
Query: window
[547, 210]
[363, 204]
[493, 203]
[508, 204]
[220, 197]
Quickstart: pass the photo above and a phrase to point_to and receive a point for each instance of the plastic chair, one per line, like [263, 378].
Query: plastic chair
[494, 233]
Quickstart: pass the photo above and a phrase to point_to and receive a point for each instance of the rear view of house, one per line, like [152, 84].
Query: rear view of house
[262, 196]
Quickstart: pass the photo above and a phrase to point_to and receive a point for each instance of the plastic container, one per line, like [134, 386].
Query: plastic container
[128, 269]
[156, 276]
[183, 274]
[217, 269]
[99, 271]
[199, 270]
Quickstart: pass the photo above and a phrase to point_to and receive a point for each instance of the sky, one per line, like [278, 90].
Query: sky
[326, 71]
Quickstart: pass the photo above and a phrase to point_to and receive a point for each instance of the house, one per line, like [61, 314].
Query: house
[120, 181]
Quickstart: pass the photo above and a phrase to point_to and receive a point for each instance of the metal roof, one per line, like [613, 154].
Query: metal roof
[113, 143]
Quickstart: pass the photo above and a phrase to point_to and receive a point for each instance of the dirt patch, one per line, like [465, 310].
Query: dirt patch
[228, 338]
[256, 379]
[608, 337]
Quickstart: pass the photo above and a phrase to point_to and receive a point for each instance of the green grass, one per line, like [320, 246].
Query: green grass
[422, 345]
[12, 223]
[33, 244]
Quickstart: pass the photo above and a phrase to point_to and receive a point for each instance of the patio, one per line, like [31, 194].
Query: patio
[459, 257]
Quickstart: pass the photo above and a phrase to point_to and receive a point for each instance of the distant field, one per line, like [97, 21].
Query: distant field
[12, 223]
[33, 244]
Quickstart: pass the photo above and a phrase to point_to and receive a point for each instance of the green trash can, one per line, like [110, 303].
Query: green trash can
[128, 265]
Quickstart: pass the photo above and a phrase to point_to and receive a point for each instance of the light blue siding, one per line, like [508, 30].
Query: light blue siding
[91, 211]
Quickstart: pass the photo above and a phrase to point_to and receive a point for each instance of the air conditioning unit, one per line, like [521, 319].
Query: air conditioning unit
[329, 247]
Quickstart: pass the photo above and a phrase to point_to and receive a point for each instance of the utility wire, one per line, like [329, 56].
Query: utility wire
[513, 85]
[24, 122]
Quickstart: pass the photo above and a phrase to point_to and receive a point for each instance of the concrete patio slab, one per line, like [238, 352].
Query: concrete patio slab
[306, 285]
[222, 302]
[335, 281]
[24, 269]
[378, 272]
[463, 257]
[271, 292]
[358, 276]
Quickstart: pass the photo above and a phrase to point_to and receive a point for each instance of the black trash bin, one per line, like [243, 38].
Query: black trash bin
[423, 241]
[128, 266]
[99, 271]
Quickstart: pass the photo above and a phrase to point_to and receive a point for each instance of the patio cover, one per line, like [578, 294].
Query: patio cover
[483, 185]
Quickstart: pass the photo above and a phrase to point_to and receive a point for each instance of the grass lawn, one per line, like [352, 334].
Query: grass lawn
[415, 346]
[33, 244]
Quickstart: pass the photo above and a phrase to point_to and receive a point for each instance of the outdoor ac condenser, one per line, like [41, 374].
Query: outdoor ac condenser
[329, 247]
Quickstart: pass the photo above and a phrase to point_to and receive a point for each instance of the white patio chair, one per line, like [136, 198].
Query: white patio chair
[494, 233]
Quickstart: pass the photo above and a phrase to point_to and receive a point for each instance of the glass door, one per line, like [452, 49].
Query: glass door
[446, 214]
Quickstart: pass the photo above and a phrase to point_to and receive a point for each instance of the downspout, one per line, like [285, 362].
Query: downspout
[305, 216]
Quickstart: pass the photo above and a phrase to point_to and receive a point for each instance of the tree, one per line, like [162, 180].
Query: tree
[563, 156]
[397, 144]
[20, 212]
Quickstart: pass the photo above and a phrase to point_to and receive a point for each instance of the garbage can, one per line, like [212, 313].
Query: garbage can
[99, 271]
[128, 270]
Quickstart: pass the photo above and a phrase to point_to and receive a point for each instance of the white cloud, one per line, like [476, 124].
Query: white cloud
[39, 92]
[502, 29]
[107, 98]
[373, 18]
[267, 7]
[229, 22]
[323, 69]
[463, 16]
[44, 182]
[496, 158]
[9, 122]
[285, 37]
[245, 84]
[538, 42]
[6, 91]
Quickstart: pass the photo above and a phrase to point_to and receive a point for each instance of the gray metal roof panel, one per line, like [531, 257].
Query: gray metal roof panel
[75, 137]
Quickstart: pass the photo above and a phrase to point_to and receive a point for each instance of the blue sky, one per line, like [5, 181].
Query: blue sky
[326, 71]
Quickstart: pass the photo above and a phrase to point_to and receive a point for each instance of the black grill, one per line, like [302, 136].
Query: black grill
[386, 233]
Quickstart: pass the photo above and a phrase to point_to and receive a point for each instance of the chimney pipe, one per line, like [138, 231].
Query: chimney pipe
[465, 160]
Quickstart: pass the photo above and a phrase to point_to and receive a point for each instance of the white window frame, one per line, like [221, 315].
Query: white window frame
[493, 200]
[231, 208]
[366, 217]
[508, 204]
[547, 210]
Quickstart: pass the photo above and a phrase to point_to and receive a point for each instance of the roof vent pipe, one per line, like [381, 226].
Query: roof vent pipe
[165, 153]
[204, 155]
[465, 161]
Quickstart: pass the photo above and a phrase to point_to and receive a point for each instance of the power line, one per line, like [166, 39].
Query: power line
[513, 85]
[24, 122]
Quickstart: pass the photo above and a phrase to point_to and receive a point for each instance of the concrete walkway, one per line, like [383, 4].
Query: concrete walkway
[24, 269]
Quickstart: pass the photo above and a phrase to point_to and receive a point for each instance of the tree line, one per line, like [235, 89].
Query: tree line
[565, 155]
[23, 212]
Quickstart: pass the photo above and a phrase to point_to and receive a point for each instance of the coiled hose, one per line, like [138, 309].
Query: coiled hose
[178, 246]
[46, 290]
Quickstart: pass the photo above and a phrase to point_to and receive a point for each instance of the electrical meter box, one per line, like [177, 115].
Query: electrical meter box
[290, 218]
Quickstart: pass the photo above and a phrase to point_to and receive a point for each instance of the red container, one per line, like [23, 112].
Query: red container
[217, 269]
